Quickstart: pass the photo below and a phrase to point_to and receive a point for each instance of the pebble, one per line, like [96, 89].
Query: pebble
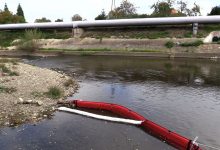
[40, 103]
[31, 79]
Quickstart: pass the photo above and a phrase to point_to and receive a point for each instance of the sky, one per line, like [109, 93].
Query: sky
[88, 9]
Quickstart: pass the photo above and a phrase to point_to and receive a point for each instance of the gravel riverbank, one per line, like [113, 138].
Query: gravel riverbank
[24, 92]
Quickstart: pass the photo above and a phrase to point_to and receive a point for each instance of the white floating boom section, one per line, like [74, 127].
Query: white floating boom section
[100, 117]
[115, 23]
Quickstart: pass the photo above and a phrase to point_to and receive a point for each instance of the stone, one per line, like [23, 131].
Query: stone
[20, 101]
[39, 103]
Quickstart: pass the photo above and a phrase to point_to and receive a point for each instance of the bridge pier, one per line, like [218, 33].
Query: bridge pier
[195, 28]
[77, 32]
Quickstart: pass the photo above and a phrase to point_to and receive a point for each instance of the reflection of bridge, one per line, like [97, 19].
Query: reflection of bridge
[118, 23]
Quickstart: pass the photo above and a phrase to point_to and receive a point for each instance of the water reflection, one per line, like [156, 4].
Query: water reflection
[185, 71]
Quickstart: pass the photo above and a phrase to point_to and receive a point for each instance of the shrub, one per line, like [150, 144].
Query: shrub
[68, 83]
[169, 44]
[54, 92]
[13, 73]
[195, 43]
[30, 41]
[188, 35]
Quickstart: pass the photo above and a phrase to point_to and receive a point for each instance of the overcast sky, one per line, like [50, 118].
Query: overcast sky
[88, 9]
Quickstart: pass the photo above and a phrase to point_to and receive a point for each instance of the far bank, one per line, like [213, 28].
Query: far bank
[162, 47]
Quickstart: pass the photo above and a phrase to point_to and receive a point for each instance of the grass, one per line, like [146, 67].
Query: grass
[192, 44]
[187, 35]
[36, 94]
[94, 49]
[7, 90]
[156, 35]
[5, 69]
[86, 53]
[145, 50]
[54, 92]
[56, 34]
[210, 28]
[80, 49]
[7, 60]
[150, 35]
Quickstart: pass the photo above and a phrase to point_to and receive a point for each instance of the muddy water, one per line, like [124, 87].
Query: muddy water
[182, 95]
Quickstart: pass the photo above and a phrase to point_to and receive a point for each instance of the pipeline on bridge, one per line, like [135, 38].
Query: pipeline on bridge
[115, 23]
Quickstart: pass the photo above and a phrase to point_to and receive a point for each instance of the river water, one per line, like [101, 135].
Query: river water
[182, 95]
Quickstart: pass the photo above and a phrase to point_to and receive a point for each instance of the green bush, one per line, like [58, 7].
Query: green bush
[7, 37]
[188, 35]
[30, 41]
[194, 44]
[54, 92]
[169, 44]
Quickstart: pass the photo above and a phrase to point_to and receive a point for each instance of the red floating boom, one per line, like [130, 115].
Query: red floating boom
[172, 138]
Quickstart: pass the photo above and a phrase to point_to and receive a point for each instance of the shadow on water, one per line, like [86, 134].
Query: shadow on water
[182, 95]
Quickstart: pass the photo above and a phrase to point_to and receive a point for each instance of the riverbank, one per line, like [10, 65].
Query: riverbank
[161, 48]
[29, 93]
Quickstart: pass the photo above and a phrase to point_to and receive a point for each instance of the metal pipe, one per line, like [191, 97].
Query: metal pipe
[115, 23]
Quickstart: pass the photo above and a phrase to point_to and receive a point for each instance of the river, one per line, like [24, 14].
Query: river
[181, 94]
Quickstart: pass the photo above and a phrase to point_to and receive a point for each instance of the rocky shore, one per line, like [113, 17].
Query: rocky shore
[29, 93]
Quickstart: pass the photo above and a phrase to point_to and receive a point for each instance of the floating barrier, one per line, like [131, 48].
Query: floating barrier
[177, 141]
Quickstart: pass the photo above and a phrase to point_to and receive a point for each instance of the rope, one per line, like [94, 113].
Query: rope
[212, 147]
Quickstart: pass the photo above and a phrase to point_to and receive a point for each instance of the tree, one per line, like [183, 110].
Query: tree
[43, 19]
[101, 16]
[125, 10]
[183, 6]
[76, 17]
[195, 11]
[162, 9]
[215, 10]
[20, 12]
[6, 17]
[166, 8]
[6, 7]
[59, 20]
